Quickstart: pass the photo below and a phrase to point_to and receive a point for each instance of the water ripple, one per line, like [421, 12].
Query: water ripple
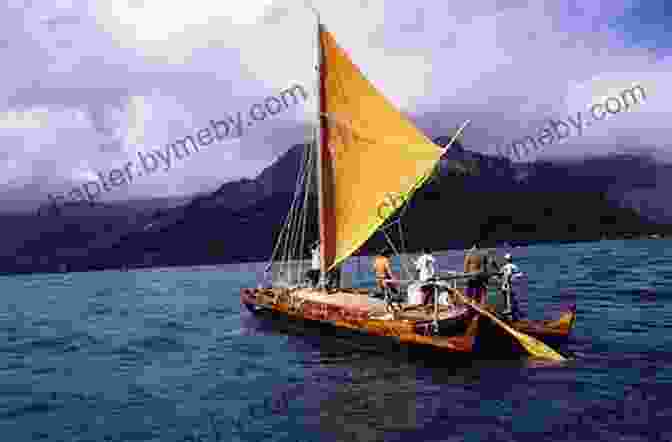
[168, 355]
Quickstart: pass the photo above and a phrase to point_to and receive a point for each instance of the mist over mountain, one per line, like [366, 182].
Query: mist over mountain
[475, 197]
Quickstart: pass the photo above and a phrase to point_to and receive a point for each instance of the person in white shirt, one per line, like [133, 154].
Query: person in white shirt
[314, 273]
[510, 272]
[315, 262]
[425, 266]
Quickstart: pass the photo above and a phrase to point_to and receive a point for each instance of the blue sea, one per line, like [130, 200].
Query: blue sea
[169, 355]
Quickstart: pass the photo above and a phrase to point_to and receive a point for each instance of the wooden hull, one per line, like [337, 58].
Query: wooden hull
[493, 340]
[457, 335]
[464, 334]
[557, 329]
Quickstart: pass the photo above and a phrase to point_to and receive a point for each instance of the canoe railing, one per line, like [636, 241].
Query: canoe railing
[457, 280]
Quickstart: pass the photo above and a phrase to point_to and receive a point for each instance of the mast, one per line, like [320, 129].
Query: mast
[318, 155]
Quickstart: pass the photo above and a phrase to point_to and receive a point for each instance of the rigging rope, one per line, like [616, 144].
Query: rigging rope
[284, 232]
[295, 209]
[396, 252]
[291, 239]
[304, 213]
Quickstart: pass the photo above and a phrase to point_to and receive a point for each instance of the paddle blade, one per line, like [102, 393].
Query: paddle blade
[532, 345]
[537, 348]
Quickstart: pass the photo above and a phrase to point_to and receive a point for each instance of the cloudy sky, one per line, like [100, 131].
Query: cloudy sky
[88, 84]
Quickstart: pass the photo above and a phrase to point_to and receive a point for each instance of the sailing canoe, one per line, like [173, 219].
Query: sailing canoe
[367, 153]
[356, 310]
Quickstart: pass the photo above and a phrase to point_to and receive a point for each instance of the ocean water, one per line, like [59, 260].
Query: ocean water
[169, 355]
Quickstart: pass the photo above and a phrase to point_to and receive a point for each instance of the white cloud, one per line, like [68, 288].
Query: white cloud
[173, 30]
[24, 119]
[137, 77]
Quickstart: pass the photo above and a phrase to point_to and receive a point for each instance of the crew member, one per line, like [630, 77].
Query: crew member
[314, 273]
[383, 271]
[510, 271]
[477, 284]
[425, 266]
[334, 278]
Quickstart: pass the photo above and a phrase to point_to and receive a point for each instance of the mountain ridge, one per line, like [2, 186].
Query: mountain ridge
[483, 198]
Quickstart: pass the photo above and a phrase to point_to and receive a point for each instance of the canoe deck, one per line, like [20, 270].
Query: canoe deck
[361, 299]
[345, 299]
[354, 309]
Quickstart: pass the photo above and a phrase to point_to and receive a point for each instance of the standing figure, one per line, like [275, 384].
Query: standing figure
[314, 273]
[383, 271]
[477, 284]
[425, 266]
[334, 278]
[510, 271]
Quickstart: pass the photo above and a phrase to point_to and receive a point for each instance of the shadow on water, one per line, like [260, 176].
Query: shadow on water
[356, 390]
[362, 390]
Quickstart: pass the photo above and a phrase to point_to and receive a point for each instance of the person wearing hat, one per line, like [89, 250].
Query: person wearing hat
[509, 272]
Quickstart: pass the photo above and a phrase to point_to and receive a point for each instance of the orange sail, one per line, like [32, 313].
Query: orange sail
[371, 154]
